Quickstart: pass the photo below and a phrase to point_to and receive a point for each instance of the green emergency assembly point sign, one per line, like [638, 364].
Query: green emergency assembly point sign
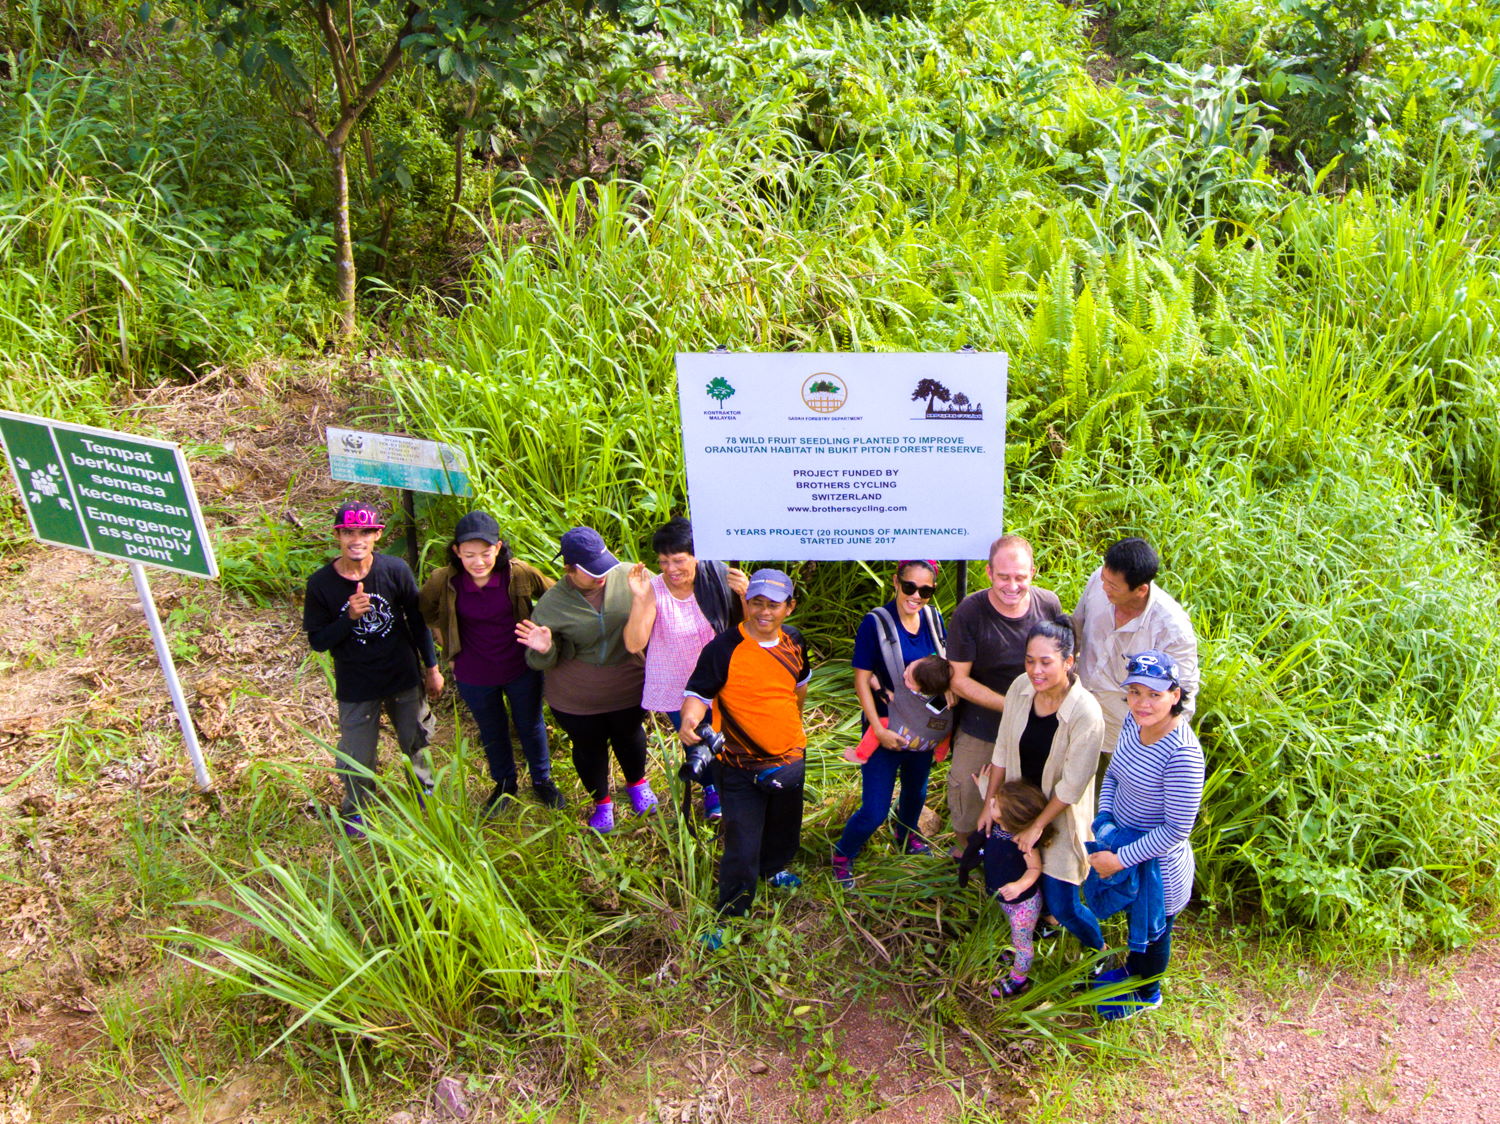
[108, 493]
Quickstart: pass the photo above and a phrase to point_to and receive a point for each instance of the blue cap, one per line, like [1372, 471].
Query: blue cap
[1152, 668]
[584, 547]
[770, 584]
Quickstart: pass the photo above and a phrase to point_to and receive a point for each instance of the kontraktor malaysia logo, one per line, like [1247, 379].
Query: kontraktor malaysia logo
[719, 389]
[824, 393]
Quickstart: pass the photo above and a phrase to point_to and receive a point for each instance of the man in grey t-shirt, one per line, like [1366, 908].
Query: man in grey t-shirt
[987, 648]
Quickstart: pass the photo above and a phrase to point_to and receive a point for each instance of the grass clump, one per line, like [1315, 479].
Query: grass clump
[412, 939]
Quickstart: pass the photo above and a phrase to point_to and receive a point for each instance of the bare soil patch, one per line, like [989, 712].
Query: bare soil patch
[1419, 1046]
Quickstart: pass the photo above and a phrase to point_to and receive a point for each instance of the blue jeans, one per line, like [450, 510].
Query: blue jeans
[877, 785]
[487, 704]
[1066, 904]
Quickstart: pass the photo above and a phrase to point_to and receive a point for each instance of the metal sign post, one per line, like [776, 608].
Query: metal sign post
[169, 669]
[119, 496]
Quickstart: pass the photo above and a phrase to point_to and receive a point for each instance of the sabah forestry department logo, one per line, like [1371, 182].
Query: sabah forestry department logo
[719, 389]
[824, 393]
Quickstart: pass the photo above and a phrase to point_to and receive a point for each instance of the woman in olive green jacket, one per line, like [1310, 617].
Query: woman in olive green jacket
[593, 682]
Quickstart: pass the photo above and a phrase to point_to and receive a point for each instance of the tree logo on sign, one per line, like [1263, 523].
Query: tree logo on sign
[719, 389]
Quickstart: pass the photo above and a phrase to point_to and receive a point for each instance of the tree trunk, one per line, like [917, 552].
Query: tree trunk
[343, 239]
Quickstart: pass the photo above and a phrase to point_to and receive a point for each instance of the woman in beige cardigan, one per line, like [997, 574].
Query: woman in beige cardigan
[1050, 734]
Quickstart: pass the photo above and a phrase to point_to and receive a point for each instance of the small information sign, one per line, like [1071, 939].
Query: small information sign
[108, 493]
[397, 462]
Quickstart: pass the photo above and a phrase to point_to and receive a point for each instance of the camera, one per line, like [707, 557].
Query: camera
[700, 758]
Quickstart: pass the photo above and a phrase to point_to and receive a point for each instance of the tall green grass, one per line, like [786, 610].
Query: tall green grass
[420, 937]
[1272, 399]
[132, 251]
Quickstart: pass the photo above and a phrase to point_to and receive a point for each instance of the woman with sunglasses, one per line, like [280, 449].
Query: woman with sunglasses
[903, 630]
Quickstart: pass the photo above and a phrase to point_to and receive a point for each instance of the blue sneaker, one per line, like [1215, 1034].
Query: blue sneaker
[1127, 1006]
[712, 941]
[1108, 978]
[354, 825]
[784, 880]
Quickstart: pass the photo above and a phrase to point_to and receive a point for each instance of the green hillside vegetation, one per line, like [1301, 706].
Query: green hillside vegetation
[1245, 267]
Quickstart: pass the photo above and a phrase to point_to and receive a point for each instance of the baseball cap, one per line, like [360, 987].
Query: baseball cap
[358, 516]
[584, 547]
[1152, 668]
[477, 525]
[771, 584]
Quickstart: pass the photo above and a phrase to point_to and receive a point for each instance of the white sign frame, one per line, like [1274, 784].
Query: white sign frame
[831, 456]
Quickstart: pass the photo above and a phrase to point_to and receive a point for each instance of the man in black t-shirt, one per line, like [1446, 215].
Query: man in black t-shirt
[362, 607]
[987, 648]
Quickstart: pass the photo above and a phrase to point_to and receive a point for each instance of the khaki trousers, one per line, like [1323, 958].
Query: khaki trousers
[971, 756]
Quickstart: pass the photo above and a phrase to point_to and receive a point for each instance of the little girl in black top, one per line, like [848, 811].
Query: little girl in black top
[1013, 879]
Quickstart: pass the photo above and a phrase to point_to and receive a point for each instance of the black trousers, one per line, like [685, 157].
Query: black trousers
[592, 736]
[1153, 962]
[761, 831]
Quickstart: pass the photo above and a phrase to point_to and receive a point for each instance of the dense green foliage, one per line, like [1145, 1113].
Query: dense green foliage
[1249, 295]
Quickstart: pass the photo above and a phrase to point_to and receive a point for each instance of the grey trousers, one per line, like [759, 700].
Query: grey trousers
[359, 734]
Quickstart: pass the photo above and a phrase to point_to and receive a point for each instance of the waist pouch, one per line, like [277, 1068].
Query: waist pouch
[783, 777]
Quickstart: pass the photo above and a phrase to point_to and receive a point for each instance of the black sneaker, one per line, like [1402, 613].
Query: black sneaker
[546, 792]
[500, 800]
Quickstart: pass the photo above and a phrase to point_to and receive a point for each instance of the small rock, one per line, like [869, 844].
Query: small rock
[401, 1118]
[22, 1046]
[929, 824]
[759, 1067]
[449, 1099]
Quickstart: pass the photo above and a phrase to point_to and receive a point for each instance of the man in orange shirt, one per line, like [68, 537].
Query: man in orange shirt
[755, 676]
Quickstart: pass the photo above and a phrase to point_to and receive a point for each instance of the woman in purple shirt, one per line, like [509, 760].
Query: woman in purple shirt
[472, 607]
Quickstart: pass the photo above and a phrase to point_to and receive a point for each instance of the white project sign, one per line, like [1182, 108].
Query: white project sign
[843, 456]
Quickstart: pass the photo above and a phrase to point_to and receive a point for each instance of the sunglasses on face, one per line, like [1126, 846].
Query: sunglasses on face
[922, 591]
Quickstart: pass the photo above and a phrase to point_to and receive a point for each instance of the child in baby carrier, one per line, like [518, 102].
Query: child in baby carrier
[920, 708]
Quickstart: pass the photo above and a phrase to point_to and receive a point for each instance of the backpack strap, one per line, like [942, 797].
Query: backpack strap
[935, 630]
[890, 644]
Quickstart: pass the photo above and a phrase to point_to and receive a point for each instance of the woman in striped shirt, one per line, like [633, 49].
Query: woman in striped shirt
[1152, 791]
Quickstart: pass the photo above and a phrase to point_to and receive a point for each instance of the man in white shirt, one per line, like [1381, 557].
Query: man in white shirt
[1123, 612]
